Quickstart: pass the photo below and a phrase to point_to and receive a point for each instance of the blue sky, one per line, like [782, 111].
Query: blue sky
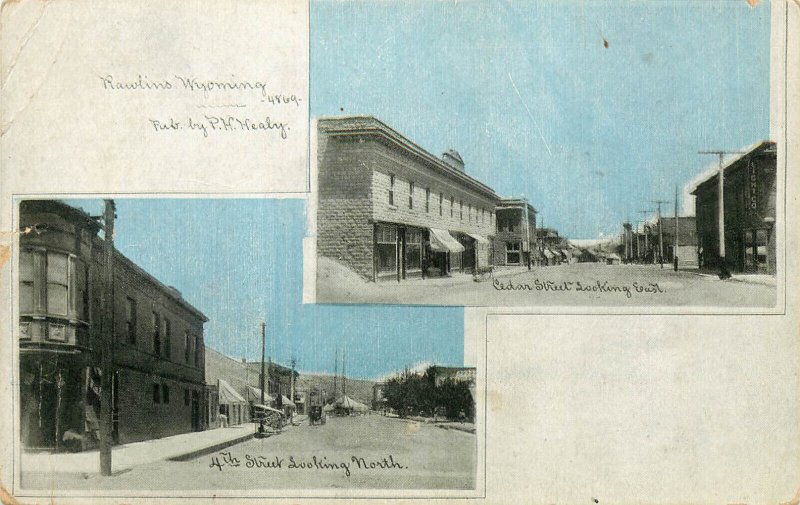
[536, 104]
[239, 260]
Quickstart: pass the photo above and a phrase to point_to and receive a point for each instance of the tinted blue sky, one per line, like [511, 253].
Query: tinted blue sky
[241, 260]
[536, 104]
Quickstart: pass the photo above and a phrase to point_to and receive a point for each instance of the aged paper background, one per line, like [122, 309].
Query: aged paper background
[579, 409]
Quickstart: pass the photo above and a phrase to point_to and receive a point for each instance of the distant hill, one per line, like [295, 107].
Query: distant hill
[357, 389]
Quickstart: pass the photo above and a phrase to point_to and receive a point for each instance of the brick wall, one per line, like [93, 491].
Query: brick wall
[343, 229]
[140, 418]
[142, 354]
[405, 169]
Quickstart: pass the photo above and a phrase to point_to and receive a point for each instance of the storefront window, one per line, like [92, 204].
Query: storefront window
[513, 256]
[386, 249]
[413, 250]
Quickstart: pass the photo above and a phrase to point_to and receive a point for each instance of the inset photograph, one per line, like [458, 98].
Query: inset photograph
[545, 155]
[164, 349]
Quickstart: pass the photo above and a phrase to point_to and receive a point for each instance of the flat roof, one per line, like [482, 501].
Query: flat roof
[369, 125]
[760, 147]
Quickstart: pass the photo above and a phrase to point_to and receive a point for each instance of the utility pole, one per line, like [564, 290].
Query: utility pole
[675, 246]
[527, 232]
[660, 233]
[261, 378]
[291, 383]
[723, 267]
[335, 372]
[344, 374]
[107, 342]
[644, 226]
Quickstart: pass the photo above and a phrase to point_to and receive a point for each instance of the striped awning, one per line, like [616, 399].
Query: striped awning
[254, 395]
[478, 238]
[227, 395]
[442, 241]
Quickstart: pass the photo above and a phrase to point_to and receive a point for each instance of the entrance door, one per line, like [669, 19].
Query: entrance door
[755, 251]
[115, 407]
[196, 411]
[468, 256]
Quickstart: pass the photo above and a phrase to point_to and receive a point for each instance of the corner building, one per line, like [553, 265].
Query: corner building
[749, 196]
[389, 210]
[158, 371]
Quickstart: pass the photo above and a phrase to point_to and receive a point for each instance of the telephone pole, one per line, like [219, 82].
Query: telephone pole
[261, 377]
[291, 383]
[335, 372]
[660, 233]
[107, 342]
[723, 267]
[675, 244]
[644, 214]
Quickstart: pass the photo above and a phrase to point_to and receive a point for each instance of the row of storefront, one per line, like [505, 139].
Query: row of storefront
[406, 252]
[390, 210]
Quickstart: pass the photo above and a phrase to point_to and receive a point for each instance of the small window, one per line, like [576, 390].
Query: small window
[391, 189]
[186, 397]
[441, 203]
[469, 213]
[156, 323]
[57, 283]
[461, 209]
[187, 347]
[410, 195]
[166, 327]
[198, 350]
[452, 204]
[164, 393]
[27, 281]
[130, 320]
[156, 393]
[427, 199]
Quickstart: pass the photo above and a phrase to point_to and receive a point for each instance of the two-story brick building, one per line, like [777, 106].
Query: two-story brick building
[389, 210]
[750, 189]
[158, 378]
[515, 236]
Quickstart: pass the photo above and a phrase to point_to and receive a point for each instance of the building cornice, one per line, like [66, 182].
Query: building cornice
[360, 126]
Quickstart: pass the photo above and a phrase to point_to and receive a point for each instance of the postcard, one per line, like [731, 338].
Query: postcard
[402, 251]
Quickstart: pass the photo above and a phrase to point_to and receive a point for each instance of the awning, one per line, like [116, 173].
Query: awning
[254, 395]
[286, 402]
[478, 238]
[227, 395]
[442, 241]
